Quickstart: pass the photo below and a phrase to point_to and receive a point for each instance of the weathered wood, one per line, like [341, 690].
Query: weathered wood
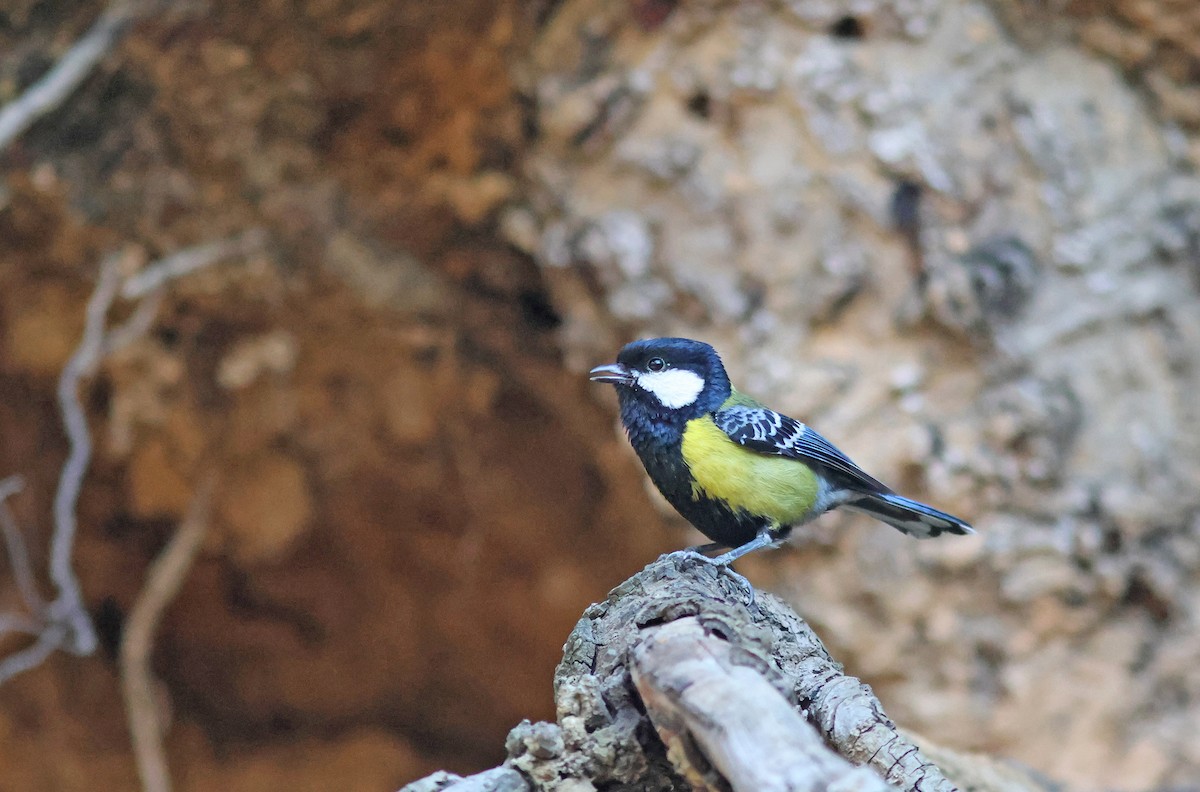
[723, 721]
[685, 677]
[498, 779]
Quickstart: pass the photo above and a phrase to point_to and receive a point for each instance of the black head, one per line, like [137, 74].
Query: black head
[674, 376]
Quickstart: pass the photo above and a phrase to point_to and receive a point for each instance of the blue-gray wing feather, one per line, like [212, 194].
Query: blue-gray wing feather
[768, 432]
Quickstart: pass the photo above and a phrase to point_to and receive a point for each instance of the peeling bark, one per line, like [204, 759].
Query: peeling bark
[721, 717]
[685, 677]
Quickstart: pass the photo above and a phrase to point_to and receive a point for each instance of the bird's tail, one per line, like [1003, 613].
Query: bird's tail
[908, 516]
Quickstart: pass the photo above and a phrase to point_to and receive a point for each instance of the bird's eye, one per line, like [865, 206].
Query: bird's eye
[656, 364]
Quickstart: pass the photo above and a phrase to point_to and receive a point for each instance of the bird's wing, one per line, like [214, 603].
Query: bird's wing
[768, 432]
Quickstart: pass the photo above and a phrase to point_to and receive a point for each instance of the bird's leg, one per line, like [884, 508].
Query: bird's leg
[698, 551]
[764, 538]
[722, 569]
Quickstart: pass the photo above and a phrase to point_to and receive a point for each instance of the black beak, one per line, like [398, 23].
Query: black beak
[615, 373]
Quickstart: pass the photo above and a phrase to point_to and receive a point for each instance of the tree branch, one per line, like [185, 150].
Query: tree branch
[722, 719]
[49, 638]
[165, 576]
[72, 69]
[64, 623]
[69, 605]
[14, 543]
[684, 677]
[188, 260]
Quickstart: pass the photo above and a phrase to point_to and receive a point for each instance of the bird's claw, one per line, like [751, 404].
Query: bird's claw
[722, 567]
[746, 584]
[692, 553]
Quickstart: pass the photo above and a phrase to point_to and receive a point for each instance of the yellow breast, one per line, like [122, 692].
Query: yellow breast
[781, 489]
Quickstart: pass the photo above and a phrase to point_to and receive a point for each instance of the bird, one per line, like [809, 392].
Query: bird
[741, 473]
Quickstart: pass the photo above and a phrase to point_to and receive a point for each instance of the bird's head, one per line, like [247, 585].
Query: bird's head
[675, 376]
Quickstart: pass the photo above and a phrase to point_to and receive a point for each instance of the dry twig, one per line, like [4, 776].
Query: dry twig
[72, 69]
[14, 543]
[68, 608]
[183, 262]
[723, 721]
[165, 576]
[63, 622]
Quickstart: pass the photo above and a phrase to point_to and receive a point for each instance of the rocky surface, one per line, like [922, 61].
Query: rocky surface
[970, 262]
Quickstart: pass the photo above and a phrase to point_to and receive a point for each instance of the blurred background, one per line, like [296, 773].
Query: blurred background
[960, 238]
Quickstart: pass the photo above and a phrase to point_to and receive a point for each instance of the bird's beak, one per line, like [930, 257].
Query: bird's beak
[615, 373]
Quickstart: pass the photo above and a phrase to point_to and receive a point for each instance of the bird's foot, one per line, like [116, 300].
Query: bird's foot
[694, 554]
[745, 583]
[697, 553]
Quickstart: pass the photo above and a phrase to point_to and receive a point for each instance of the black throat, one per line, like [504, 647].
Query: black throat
[649, 423]
[656, 432]
[657, 437]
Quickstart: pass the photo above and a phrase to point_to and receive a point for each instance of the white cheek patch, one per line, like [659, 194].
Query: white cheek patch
[675, 388]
